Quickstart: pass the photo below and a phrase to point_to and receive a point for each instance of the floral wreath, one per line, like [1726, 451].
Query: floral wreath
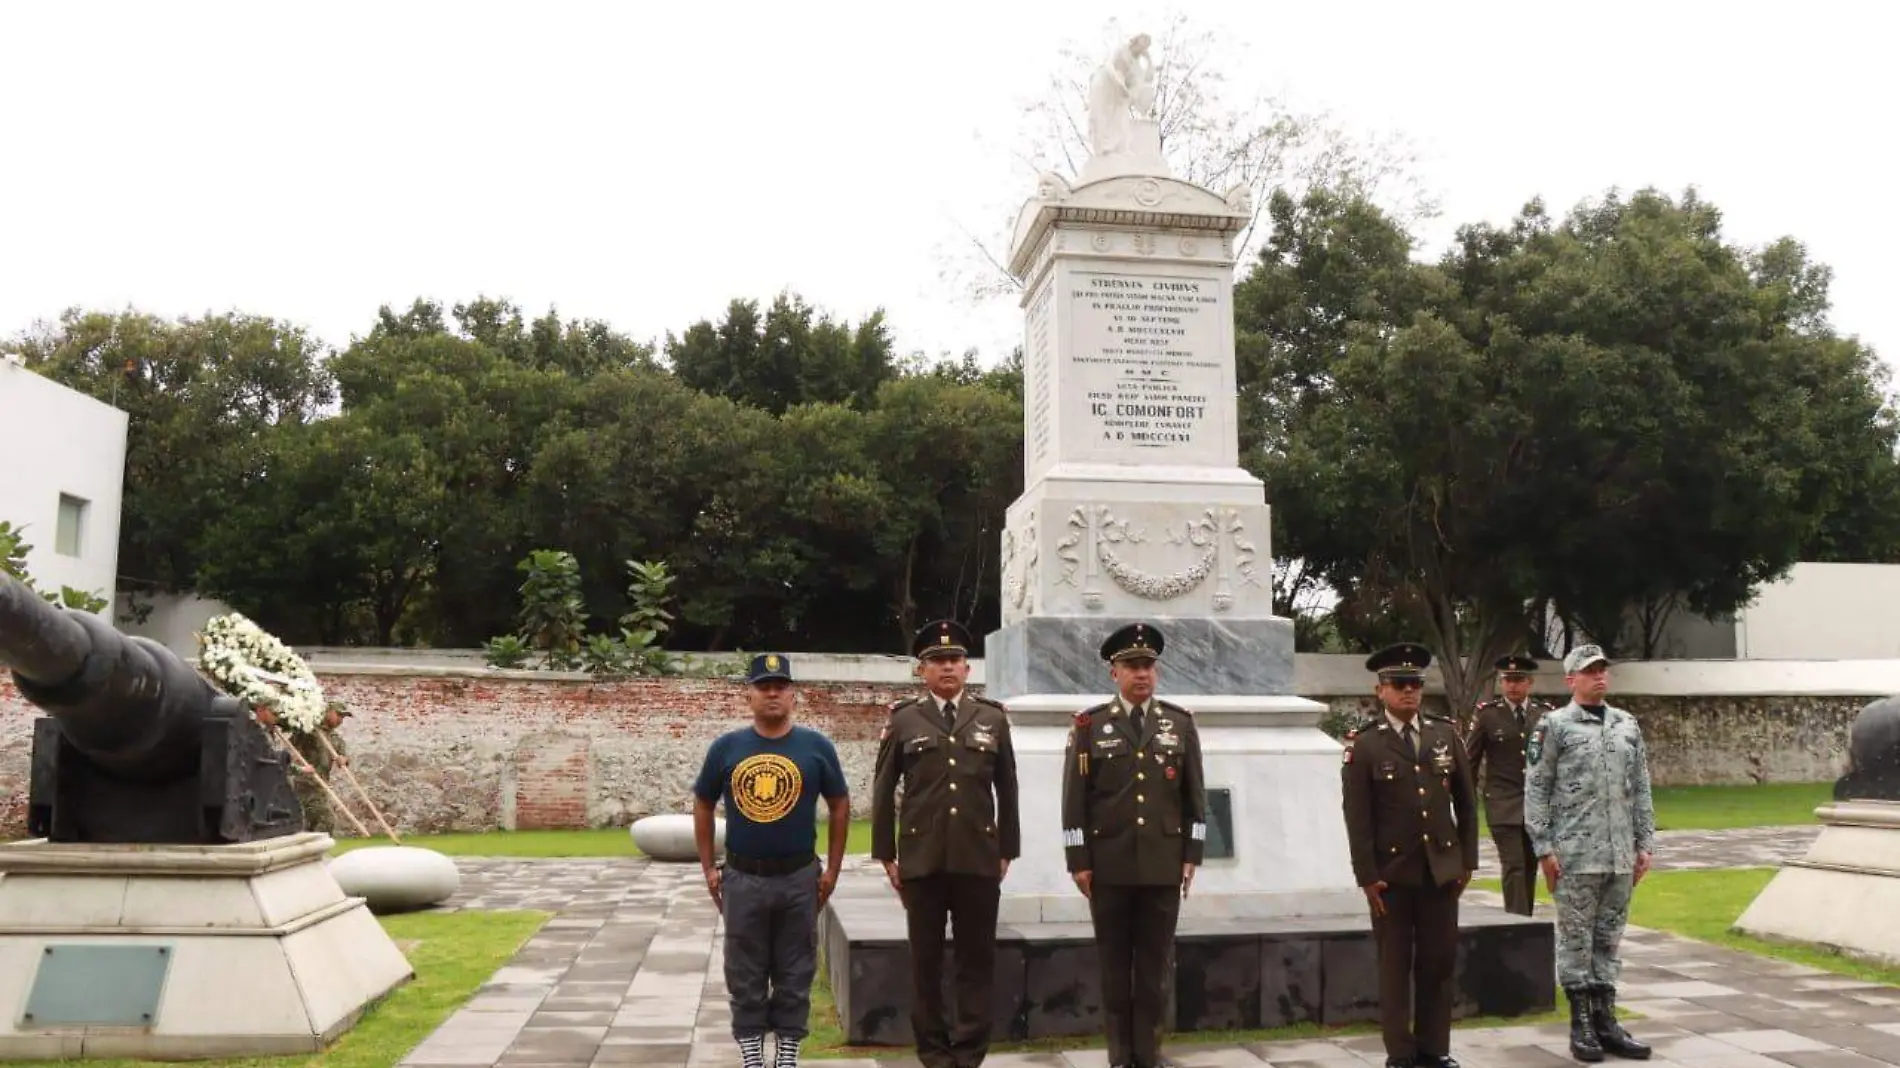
[251, 664]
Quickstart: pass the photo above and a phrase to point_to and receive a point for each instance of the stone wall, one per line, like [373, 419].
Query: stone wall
[444, 753]
[444, 748]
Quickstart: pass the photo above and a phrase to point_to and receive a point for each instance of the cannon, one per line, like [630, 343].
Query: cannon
[1873, 751]
[137, 747]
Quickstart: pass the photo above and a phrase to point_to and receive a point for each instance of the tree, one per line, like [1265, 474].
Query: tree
[1600, 414]
[200, 395]
[1213, 133]
[790, 355]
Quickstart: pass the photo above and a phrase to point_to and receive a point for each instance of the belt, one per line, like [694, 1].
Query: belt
[770, 865]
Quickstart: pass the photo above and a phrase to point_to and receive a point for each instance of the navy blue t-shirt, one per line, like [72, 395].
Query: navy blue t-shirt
[771, 788]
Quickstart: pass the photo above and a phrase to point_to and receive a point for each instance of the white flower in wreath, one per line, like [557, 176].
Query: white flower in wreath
[251, 664]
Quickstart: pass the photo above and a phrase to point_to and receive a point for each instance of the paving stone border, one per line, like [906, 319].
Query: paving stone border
[628, 972]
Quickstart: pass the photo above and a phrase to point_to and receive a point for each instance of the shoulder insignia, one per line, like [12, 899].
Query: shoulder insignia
[901, 702]
[998, 705]
[1534, 745]
[1351, 734]
[1082, 719]
[1172, 707]
[1345, 755]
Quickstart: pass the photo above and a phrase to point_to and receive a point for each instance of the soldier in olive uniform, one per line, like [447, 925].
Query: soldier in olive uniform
[1134, 828]
[948, 847]
[1592, 822]
[1499, 727]
[317, 812]
[1412, 825]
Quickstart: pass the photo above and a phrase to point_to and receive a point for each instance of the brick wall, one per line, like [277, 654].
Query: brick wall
[442, 749]
[439, 752]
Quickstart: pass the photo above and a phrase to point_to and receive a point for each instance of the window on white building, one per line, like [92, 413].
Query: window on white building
[71, 532]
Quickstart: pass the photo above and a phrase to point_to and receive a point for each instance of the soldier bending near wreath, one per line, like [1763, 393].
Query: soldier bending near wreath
[317, 813]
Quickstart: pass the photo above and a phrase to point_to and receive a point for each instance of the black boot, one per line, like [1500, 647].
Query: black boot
[1610, 1033]
[1583, 1034]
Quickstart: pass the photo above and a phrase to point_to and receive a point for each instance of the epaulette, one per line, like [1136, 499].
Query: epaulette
[1172, 707]
[1439, 718]
[1489, 702]
[1087, 715]
[979, 699]
[901, 702]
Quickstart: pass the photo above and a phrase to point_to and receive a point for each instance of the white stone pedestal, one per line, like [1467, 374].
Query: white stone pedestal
[1282, 773]
[1844, 893]
[183, 952]
[1135, 507]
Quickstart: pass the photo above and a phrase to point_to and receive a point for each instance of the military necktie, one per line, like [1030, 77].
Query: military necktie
[949, 715]
[1137, 719]
[1411, 744]
[1518, 711]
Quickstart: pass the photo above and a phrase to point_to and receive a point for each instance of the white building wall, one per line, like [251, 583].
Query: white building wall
[1824, 612]
[57, 442]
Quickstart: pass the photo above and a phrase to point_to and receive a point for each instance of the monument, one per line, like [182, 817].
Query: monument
[172, 908]
[1843, 894]
[1135, 508]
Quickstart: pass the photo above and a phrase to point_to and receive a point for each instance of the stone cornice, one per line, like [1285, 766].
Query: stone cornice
[1138, 202]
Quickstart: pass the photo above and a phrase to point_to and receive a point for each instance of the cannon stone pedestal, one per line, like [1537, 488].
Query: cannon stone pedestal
[181, 952]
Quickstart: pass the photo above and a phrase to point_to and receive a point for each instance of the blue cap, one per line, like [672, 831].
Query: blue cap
[768, 666]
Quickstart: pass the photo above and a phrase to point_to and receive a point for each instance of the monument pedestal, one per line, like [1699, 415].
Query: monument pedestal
[1844, 893]
[181, 952]
[1135, 508]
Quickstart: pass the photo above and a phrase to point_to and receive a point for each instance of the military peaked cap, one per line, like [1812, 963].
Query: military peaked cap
[1516, 664]
[1136, 641]
[1405, 660]
[940, 637]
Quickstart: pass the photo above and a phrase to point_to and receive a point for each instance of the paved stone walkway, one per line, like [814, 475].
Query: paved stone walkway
[629, 973]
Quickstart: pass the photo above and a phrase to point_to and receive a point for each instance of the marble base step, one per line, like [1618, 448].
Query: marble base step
[1228, 974]
[183, 952]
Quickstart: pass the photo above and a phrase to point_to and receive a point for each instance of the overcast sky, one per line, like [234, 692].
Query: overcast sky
[645, 163]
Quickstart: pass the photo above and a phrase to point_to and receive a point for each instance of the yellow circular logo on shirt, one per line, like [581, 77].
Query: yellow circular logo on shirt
[765, 787]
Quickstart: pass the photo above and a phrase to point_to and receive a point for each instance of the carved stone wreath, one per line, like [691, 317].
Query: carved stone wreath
[1216, 529]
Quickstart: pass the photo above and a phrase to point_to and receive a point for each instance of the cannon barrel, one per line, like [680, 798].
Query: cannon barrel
[132, 706]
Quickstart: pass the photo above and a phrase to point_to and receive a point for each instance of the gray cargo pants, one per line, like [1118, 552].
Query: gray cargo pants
[771, 950]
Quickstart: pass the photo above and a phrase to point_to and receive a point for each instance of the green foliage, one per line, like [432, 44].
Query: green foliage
[552, 620]
[506, 651]
[553, 617]
[1608, 412]
[13, 550]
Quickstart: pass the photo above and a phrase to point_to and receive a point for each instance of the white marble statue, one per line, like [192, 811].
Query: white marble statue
[1122, 91]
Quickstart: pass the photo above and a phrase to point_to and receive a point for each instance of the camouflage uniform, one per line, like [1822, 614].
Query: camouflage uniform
[317, 814]
[1587, 800]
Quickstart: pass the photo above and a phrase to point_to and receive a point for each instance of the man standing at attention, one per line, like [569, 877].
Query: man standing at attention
[771, 775]
[1592, 822]
[1134, 829]
[949, 846]
[1412, 825]
[1499, 727]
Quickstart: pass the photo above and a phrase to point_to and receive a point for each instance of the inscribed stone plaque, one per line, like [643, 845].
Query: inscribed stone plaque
[1149, 375]
[113, 986]
[1039, 379]
[1220, 823]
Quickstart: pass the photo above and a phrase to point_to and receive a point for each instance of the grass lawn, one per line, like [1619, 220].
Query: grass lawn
[1677, 808]
[594, 842]
[1704, 904]
[452, 953]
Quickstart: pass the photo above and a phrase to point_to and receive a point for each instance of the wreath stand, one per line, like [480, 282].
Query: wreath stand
[336, 761]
